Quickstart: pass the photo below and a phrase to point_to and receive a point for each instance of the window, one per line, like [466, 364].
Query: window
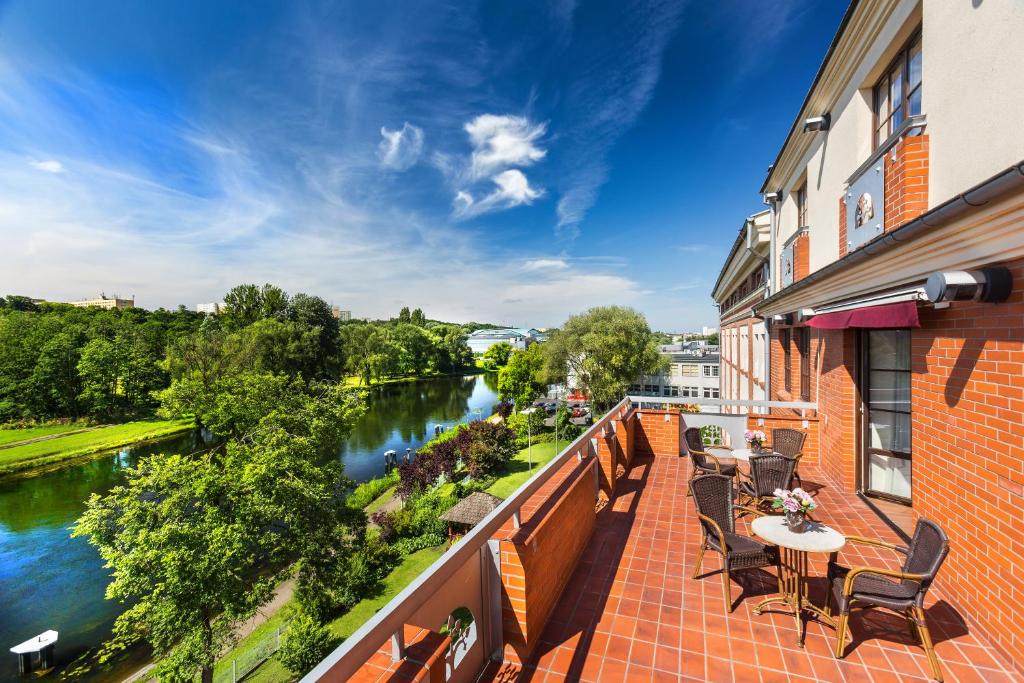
[689, 392]
[670, 391]
[689, 370]
[710, 392]
[803, 341]
[897, 94]
[801, 206]
[651, 389]
[787, 362]
[710, 370]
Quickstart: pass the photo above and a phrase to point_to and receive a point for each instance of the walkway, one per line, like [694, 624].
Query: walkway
[632, 612]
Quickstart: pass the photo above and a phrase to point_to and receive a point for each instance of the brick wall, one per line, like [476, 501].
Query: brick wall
[538, 559]
[767, 423]
[836, 396]
[906, 181]
[801, 256]
[968, 454]
[659, 432]
[842, 227]
[424, 660]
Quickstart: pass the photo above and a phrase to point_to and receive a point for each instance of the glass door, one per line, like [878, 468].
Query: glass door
[886, 395]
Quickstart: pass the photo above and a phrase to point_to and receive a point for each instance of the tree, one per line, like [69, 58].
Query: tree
[246, 304]
[416, 346]
[305, 644]
[196, 544]
[98, 368]
[403, 315]
[315, 314]
[497, 355]
[417, 318]
[522, 379]
[55, 376]
[602, 352]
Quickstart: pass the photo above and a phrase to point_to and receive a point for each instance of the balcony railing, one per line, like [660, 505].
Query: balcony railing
[476, 555]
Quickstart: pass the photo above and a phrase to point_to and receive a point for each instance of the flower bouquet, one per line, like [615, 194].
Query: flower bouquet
[795, 504]
[755, 439]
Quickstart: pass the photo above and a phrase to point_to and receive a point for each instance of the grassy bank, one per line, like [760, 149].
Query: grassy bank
[519, 468]
[272, 671]
[15, 435]
[355, 381]
[51, 451]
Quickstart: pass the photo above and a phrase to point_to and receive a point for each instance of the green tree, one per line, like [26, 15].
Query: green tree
[522, 378]
[602, 352]
[55, 377]
[416, 348]
[497, 355]
[98, 368]
[196, 544]
[417, 318]
[305, 644]
[248, 303]
[404, 316]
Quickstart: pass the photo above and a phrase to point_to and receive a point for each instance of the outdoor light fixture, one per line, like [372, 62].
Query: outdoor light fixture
[771, 197]
[816, 123]
[990, 285]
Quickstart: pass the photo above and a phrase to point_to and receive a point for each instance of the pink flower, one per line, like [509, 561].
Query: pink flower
[790, 504]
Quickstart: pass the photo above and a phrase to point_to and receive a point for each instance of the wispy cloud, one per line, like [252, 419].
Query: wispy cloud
[50, 166]
[546, 264]
[511, 189]
[613, 82]
[400, 149]
[501, 142]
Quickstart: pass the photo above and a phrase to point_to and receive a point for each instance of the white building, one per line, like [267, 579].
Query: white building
[210, 309]
[518, 337]
[340, 314]
[689, 375]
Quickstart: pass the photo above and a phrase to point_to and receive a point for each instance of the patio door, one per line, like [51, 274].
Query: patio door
[886, 459]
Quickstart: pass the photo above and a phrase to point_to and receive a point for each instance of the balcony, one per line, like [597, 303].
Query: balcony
[585, 574]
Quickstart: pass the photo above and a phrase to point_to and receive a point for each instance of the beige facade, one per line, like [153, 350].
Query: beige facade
[104, 302]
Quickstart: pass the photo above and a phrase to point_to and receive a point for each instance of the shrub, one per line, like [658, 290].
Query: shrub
[525, 424]
[504, 409]
[385, 521]
[365, 571]
[369, 491]
[305, 644]
[407, 546]
[485, 447]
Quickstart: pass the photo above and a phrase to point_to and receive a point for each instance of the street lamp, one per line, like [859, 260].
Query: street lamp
[529, 435]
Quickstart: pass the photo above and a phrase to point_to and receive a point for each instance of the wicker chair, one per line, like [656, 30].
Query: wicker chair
[900, 590]
[703, 462]
[767, 472]
[790, 442]
[712, 494]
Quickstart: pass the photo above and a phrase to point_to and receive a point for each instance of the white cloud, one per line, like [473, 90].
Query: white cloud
[400, 149]
[501, 142]
[513, 189]
[546, 264]
[50, 166]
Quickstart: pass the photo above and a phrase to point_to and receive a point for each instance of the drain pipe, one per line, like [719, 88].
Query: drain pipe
[771, 199]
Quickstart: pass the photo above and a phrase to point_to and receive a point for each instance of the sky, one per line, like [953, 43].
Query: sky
[509, 162]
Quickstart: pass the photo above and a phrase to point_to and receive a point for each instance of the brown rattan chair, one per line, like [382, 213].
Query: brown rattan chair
[702, 461]
[900, 590]
[768, 472]
[712, 494]
[790, 442]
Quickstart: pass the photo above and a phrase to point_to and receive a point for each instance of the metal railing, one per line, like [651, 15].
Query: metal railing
[389, 622]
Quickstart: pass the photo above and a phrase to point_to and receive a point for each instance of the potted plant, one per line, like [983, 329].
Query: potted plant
[796, 504]
[755, 439]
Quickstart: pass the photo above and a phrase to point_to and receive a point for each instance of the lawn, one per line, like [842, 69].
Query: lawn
[519, 470]
[76, 445]
[15, 435]
[345, 625]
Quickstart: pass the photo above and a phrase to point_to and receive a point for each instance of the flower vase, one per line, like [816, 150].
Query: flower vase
[796, 521]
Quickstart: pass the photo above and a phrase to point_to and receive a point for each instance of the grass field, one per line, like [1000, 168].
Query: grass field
[344, 626]
[519, 468]
[15, 435]
[20, 458]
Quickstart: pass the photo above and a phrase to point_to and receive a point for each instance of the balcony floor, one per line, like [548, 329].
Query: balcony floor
[632, 612]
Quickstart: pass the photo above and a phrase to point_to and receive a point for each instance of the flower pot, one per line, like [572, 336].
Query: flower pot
[796, 521]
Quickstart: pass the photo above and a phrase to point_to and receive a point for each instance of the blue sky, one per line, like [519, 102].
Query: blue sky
[512, 162]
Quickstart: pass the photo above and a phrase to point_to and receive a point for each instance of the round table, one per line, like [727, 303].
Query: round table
[793, 549]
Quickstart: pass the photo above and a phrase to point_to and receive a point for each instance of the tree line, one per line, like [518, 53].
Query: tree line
[60, 361]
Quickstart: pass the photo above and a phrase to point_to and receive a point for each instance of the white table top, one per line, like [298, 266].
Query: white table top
[739, 454]
[817, 538]
[35, 644]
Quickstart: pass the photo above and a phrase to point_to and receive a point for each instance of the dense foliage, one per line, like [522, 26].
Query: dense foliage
[523, 378]
[106, 365]
[304, 644]
[602, 352]
[196, 544]
[497, 355]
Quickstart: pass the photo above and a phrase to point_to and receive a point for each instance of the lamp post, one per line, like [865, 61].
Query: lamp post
[529, 435]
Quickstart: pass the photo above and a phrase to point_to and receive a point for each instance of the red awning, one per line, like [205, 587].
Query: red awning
[902, 314]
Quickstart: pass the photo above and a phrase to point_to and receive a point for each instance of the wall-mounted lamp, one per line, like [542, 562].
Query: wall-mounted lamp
[771, 197]
[991, 285]
[816, 123]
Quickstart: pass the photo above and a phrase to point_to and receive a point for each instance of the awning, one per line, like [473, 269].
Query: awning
[901, 314]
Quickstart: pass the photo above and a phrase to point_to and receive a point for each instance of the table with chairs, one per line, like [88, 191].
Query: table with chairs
[723, 493]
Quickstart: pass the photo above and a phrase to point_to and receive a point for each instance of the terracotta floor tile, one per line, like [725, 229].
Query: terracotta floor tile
[631, 611]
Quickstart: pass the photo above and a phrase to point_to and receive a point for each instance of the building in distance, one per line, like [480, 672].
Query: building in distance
[215, 308]
[104, 301]
[518, 337]
[340, 314]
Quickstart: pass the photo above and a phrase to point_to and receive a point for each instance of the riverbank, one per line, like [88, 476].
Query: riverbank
[40, 453]
[356, 381]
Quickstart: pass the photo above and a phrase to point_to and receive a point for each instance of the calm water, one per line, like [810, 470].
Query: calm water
[51, 581]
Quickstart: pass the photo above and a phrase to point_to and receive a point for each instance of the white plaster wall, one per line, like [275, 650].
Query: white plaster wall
[973, 91]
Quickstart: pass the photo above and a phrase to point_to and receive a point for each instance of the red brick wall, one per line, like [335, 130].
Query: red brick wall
[767, 423]
[968, 454]
[538, 559]
[608, 459]
[906, 181]
[424, 660]
[656, 435]
[842, 227]
[836, 396]
[801, 256]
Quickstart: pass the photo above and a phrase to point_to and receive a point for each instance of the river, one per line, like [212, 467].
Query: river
[51, 581]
